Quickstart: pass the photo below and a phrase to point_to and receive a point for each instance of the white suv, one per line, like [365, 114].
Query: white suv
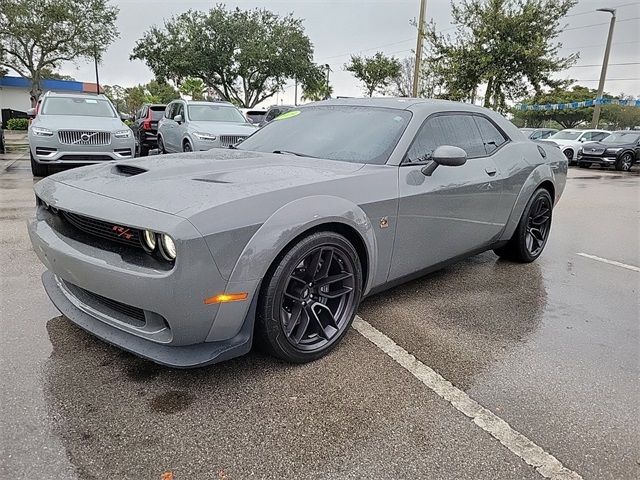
[76, 129]
[570, 141]
[189, 126]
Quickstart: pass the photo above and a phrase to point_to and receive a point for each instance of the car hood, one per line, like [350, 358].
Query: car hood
[68, 122]
[222, 128]
[600, 145]
[186, 184]
[564, 142]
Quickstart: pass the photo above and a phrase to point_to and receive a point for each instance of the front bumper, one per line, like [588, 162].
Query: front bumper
[96, 285]
[49, 150]
[603, 161]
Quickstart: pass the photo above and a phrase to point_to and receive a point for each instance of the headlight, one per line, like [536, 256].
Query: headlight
[613, 150]
[168, 249]
[149, 241]
[41, 132]
[207, 137]
[123, 133]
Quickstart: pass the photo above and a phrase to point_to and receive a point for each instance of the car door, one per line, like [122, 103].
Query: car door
[178, 128]
[451, 212]
[166, 125]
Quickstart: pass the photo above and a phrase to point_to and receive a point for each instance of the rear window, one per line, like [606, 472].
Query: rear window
[157, 113]
[74, 106]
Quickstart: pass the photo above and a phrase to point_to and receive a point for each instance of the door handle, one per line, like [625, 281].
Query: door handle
[490, 171]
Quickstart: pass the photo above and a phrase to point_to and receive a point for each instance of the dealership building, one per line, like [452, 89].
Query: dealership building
[15, 99]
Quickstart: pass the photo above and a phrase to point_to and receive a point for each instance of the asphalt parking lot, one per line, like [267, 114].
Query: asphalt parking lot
[550, 348]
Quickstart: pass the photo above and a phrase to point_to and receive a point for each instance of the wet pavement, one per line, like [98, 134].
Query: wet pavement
[551, 347]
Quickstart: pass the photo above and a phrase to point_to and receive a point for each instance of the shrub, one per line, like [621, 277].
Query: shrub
[17, 124]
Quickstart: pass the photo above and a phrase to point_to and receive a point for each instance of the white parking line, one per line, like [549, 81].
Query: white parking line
[610, 262]
[546, 464]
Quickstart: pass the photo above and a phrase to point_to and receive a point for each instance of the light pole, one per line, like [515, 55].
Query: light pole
[605, 62]
[95, 61]
[416, 67]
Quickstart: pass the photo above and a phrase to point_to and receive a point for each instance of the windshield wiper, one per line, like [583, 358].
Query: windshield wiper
[289, 152]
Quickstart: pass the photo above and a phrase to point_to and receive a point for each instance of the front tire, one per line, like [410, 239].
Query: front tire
[532, 233]
[37, 169]
[625, 162]
[186, 146]
[161, 149]
[309, 298]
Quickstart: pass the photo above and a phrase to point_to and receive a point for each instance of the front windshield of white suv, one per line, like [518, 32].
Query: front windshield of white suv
[565, 135]
[75, 106]
[215, 113]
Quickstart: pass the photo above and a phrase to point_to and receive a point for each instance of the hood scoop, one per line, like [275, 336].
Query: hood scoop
[129, 170]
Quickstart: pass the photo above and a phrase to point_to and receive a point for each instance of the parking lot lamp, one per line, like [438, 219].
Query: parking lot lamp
[605, 62]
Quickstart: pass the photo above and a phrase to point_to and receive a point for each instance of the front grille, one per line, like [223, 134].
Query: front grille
[85, 158]
[84, 137]
[99, 228]
[228, 140]
[593, 151]
[128, 310]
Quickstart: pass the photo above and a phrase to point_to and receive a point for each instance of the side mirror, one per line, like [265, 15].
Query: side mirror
[447, 156]
[581, 140]
[177, 118]
[31, 113]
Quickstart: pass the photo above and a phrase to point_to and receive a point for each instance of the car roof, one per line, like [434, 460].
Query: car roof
[51, 93]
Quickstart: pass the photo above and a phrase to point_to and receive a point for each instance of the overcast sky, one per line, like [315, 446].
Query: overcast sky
[338, 28]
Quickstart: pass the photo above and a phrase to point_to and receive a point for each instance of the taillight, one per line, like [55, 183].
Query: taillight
[146, 125]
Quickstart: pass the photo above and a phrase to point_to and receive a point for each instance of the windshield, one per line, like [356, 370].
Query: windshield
[215, 113]
[631, 137]
[87, 107]
[565, 135]
[157, 113]
[348, 133]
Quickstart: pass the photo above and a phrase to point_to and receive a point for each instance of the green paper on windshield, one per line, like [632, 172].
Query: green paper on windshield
[286, 115]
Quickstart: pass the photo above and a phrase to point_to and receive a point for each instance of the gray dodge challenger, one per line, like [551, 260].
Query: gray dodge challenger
[186, 259]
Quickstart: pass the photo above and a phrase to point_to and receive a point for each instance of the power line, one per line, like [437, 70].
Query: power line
[597, 24]
[593, 11]
[599, 65]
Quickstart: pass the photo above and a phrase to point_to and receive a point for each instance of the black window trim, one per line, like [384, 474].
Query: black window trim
[405, 160]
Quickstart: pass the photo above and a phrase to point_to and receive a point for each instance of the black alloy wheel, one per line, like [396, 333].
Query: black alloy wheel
[538, 225]
[625, 162]
[311, 298]
[531, 234]
[186, 147]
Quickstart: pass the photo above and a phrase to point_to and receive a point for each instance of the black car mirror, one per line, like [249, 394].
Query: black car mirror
[446, 155]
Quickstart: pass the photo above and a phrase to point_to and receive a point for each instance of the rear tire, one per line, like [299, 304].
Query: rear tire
[301, 315]
[37, 169]
[144, 151]
[532, 232]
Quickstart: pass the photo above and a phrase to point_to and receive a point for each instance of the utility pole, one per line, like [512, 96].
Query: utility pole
[295, 101]
[95, 61]
[416, 67]
[605, 63]
[328, 69]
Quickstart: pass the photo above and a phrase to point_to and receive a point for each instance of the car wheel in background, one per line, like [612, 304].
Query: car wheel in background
[186, 146]
[161, 150]
[309, 298]
[37, 169]
[143, 151]
[569, 154]
[625, 162]
[531, 235]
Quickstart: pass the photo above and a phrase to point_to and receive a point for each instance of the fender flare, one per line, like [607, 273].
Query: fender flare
[279, 230]
[542, 173]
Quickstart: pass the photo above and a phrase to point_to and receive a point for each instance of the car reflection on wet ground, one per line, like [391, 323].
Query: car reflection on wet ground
[550, 347]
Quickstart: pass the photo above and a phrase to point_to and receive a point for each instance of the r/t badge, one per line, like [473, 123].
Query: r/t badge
[384, 222]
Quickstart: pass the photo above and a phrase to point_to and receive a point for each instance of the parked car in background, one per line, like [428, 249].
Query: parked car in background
[571, 139]
[621, 150]
[191, 126]
[255, 116]
[145, 127]
[72, 129]
[187, 261]
[538, 133]
[275, 112]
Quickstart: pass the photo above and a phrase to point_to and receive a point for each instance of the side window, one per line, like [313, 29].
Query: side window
[492, 137]
[587, 137]
[167, 111]
[456, 130]
[536, 135]
[179, 110]
[599, 136]
[272, 113]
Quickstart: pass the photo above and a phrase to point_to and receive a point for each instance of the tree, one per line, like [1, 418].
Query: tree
[117, 95]
[506, 45]
[153, 92]
[194, 87]
[377, 72]
[315, 86]
[566, 118]
[244, 56]
[41, 34]
[48, 73]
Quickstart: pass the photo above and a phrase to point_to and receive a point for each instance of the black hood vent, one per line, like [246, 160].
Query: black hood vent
[129, 170]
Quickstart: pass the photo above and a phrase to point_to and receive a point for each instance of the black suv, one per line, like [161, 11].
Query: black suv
[145, 127]
[620, 149]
